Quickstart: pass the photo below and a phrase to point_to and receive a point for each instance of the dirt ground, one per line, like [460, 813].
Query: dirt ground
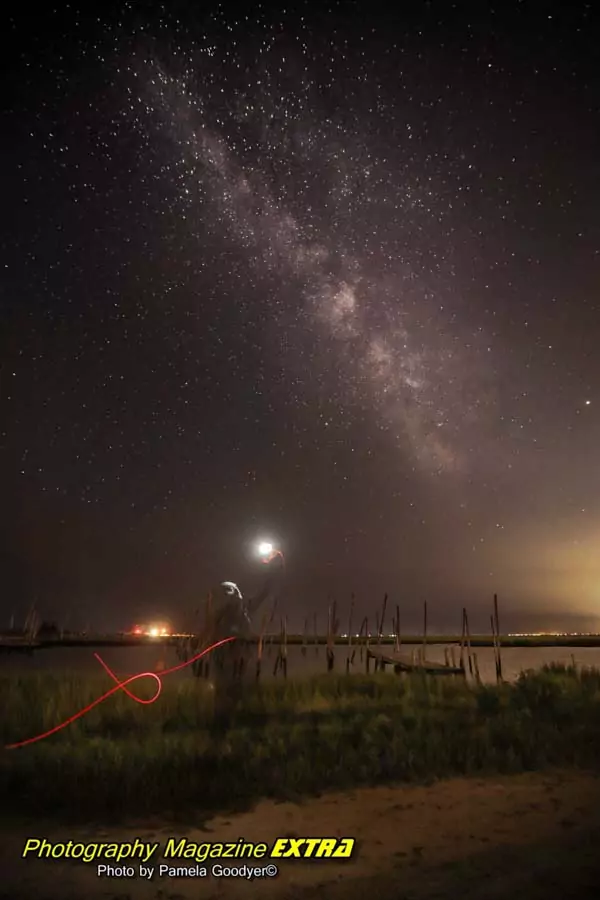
[531, 837]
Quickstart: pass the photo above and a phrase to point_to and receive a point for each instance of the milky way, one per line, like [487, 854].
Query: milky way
[353, 234]
[322, 275]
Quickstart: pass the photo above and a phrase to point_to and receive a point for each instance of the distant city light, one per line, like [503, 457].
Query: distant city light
[155, 630]
[551, 634]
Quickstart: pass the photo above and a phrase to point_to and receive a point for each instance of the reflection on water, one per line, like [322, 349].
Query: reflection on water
[131, 660]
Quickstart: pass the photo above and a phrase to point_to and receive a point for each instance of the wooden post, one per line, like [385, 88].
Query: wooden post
[398, 638]
[378, 631]
[279, 658]
[271, 620]
[259, 646]
[382, 620]
[259, 650]
[305, 638]
[360, 643]
[493, 624]
[316, 634]
[367, 642]
[284, 658]
[424, 631]
[332, 629]
[350, 632]
[336, 622]
[468, 640]
[328, 641]
[497, 624]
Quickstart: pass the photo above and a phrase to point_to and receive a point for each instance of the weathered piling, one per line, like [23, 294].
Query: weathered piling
[382, 619]
[350, 617]
[261, 639]
[32, 624]
[498, 640]
[364, 625]
[361, 649]
[468, 641]
[270, 639]
[378, 662]
[424, 648]
[281, 660]
[259, 651]
[494, 645]
[284, 655]
[304, 648]
[332, 629]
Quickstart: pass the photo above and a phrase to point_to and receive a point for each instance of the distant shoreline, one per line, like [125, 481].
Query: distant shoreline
[13, 643]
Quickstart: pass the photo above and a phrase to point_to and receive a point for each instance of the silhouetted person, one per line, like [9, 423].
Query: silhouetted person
[231, 616]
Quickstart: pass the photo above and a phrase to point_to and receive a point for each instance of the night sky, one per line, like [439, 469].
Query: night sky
[327, 275]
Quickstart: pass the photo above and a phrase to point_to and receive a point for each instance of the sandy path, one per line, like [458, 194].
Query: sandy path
[531, 836]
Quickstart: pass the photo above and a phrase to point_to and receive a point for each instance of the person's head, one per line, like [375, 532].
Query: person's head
[229, 611]
[227, 590]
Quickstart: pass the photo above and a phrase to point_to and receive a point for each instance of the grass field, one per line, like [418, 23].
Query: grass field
[287, 739]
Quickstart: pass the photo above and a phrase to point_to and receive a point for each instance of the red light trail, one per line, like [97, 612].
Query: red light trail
[120, 686]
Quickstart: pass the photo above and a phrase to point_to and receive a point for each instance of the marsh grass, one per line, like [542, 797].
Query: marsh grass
[287, 739]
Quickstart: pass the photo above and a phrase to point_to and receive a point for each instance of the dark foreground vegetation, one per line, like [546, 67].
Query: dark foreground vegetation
[287, 739]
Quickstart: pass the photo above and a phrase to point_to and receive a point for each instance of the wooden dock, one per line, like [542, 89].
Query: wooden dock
[386, 657]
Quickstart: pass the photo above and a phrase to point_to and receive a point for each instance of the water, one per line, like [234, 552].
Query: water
[126, 661]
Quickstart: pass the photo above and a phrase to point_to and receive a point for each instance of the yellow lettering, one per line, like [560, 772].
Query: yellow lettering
[173, 849]
[326, 848]
[32, 844]
[345, 848]
[279, 846]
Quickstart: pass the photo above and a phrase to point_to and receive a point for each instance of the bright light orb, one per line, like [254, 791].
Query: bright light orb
[154, 632]
[265, 548]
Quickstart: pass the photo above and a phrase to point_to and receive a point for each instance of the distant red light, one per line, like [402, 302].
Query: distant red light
[159, 630]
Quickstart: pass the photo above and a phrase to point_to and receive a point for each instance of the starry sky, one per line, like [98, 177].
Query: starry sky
[328, 275]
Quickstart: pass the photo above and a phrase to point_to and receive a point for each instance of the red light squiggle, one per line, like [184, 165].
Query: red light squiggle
[120, 685]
